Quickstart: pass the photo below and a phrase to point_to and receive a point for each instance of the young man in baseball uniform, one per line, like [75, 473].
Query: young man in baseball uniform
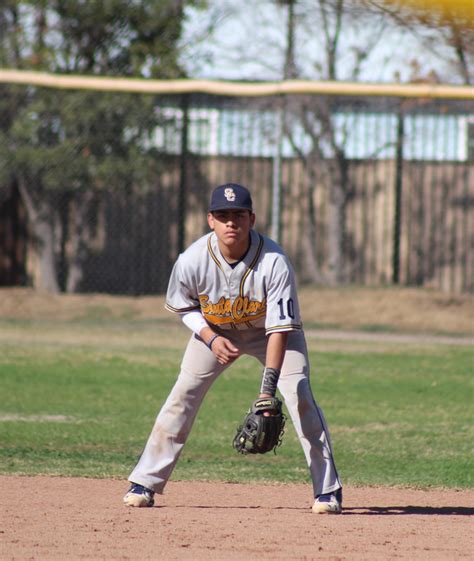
[235, 290]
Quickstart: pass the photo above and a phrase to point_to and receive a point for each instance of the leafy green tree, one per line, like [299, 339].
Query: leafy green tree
[60, 149]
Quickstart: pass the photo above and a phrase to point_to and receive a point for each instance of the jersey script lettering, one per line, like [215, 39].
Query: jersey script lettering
[241, 310]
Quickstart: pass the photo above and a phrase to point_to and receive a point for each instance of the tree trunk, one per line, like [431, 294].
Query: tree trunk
[40, 218]
[44, 237]
[74, 277]
[80, 239]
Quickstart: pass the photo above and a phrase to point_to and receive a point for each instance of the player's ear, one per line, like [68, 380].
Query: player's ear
[252, 219]
[210, 220]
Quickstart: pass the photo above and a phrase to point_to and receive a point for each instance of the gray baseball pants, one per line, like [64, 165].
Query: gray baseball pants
[199, 369]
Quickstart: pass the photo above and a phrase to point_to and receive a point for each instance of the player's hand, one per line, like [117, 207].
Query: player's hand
[224, 350]
[261, 395]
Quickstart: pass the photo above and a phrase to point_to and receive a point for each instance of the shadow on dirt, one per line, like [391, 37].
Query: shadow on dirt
[403, 510]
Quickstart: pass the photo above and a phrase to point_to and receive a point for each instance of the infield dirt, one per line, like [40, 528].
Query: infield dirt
[73, 519]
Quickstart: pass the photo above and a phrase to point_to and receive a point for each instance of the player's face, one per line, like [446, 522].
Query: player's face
[232, 228]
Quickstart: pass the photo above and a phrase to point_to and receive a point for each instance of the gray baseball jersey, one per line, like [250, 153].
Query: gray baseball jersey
[257, 292]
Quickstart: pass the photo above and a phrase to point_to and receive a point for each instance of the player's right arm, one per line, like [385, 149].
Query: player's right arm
[182, 298]
[222, 348]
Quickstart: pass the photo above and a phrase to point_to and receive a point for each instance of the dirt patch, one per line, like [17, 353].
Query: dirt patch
[408, 310]
[46, 518]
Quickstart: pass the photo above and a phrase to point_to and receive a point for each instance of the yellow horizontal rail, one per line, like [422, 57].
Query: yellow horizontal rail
[226, 88]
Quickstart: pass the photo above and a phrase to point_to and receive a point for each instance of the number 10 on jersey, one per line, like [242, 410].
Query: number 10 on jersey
[289, 308]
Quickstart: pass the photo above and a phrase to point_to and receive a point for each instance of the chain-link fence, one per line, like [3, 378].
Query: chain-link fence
[100, 191]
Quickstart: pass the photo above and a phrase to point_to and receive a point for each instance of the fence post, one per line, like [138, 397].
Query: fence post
[183, 174]
[276, 181]
[398, 199]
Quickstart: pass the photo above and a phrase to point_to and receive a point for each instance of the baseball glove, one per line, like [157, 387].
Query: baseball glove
[260, 433]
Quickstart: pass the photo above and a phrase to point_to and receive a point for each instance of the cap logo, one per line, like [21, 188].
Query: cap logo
[229, 194]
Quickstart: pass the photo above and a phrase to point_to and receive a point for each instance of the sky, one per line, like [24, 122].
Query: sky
[249, 41]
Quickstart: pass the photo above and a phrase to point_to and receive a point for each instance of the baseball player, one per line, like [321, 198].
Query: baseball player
[235, 290]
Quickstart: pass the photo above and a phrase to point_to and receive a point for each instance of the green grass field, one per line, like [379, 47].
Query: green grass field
[79, 399]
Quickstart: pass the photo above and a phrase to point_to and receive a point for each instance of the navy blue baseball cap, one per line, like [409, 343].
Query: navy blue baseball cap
[230, 196]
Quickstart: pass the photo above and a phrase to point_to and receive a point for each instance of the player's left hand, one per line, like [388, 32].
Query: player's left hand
[260, 433]
[265, 395]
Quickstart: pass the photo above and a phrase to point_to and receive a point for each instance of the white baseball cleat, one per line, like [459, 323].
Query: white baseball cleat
[139, 496]
[328, 503]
